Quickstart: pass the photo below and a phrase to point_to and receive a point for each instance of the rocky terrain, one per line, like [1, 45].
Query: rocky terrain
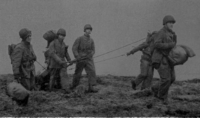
[115, 98]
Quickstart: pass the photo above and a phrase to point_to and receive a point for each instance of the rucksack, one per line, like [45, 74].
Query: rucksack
[150, 41]
[180, 54]
[11, 49]
[50, 35]
[151, 36]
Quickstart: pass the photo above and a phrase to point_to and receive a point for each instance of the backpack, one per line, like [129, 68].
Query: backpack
[151, 36]
[180, 54]
[11, 50]
[50, 35]
[150, 41]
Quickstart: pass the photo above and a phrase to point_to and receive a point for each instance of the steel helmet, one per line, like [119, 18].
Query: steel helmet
[168, 18]
[24, 33]
[61, 32]
[87, 26]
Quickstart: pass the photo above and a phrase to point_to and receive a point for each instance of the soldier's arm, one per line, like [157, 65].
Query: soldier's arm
[175, 38]
[34, 56]
[52, 54]
[159, 44]
[46, 56]
[67, 54]
[16, 60]
[93, 48]
[75, 48]
[51, 50]
[139, 47]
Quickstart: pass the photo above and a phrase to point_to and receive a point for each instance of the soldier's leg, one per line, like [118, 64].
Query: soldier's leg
[58, 79]
[32, 82]
[65, 80]
[173, 75]
[148, 81]
[77, 75]
[52, 79]
[44, 79]
[144, 68]
[90, 70]
[165, 74]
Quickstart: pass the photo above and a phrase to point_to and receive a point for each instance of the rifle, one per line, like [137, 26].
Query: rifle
[77, 60]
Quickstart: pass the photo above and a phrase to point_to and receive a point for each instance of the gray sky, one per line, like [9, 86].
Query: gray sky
[115, 23]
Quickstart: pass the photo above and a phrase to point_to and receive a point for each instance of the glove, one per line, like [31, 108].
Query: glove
[90, 55]
[70, 63]
[33, 58]
[78, 58]
[129, 53]
[65, 65]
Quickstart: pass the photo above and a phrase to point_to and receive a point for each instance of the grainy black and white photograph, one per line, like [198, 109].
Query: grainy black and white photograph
[100, 58]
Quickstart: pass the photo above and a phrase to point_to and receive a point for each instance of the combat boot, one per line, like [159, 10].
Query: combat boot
[165, 101]
[133, 85]
[91, 89]
[72, 87]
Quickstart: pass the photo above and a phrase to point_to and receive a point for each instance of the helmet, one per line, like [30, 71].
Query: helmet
[87, 26]
[24, 33]
[61, 32]
[168, 18]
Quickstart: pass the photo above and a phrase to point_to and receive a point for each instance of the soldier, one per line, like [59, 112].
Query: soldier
[83, 50]
[57, 53]
[42, 80]
[49, 36]
[164, 42]
[23, 58]
[146, 72]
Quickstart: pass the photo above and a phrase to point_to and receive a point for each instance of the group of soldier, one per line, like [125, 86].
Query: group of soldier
[23, 58]
[155, 50]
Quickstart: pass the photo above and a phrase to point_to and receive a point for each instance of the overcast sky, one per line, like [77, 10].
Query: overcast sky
[115, 23]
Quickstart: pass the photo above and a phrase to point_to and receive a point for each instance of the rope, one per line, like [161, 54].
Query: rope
[113, 51]
[41, 65]
[119, 48]
[105, 59]
[111, 58]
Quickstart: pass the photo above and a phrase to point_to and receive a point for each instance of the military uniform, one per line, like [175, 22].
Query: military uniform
[43, 79]
[49, 36]
[47, 58]
[23, 59]
[146, 72]
[59, 50]
[84, 47]
[164, 42]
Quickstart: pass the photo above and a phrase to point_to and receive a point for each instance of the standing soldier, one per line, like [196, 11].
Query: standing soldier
[164, 42]
[23, 58]
[49, 36]
[83, 50]
[146, 73]
[43, 79]
[57, 52]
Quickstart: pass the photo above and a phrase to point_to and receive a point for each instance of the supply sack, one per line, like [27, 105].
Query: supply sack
[180, 54]
[17, 91]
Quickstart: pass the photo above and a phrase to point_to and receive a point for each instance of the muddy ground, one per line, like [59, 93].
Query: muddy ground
[115, 98]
